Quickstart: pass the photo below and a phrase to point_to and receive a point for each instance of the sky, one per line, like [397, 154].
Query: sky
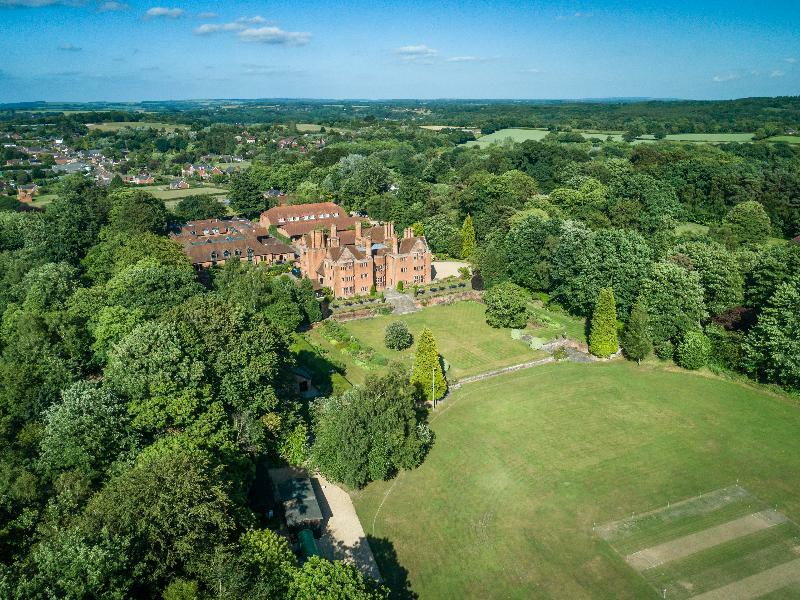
[118, 50]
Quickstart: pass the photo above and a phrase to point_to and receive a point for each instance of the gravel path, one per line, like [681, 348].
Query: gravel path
[344, 537]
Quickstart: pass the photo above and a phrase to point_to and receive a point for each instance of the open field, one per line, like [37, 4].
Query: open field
[789, 139]
[160, 192]
[117, 125]
[711, 137]
[514, 134]
[464, 339]
[526, 464]
[308, 127]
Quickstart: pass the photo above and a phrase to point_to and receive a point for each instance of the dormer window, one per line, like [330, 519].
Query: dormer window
[250, 254]
[213, 255]
[205, 231]
[226, 254]
[237, 252]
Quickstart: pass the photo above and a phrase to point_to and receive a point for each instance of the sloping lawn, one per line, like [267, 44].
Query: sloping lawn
[524, 464]
[464, 339]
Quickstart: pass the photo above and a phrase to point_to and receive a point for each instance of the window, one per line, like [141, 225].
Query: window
[226, 254]
[237, 252]
[213, 255]
[250, 254]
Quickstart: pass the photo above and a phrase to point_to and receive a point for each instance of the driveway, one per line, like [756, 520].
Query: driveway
[343, 537]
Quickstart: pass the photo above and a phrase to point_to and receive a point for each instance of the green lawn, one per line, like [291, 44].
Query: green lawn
[691, 228]
[552, 325]
[461, 332]
[525, 464]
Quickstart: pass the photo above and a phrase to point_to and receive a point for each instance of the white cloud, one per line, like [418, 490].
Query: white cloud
[419, 53]
[791, 60]
[726, 77]
[416, 51]
[160, 11]
[274, 35]
[466, 59]
[239, 24]
[576, 15]
[70, 47]
[112, 6]
[207, 15]
[777, 73]
[533, 71]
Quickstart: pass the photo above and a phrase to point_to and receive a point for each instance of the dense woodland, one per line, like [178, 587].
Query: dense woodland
[139, 403]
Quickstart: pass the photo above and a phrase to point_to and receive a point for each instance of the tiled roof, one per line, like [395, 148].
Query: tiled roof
[276, 213]
[299, 228]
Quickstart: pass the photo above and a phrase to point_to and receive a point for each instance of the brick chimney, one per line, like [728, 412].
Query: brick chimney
[408, 233]
[334, 239]
[358, 230]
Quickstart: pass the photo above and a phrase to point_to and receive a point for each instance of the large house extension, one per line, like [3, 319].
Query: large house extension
[294, 221]
[350, 262]
[213, 241]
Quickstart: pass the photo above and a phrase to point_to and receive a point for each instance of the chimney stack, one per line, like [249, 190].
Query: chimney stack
[334, 237]
[409, 233]
[358, 230]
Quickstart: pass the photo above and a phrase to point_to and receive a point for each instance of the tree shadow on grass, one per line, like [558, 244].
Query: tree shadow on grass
[395, 576]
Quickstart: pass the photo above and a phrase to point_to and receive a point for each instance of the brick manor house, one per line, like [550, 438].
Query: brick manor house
[331, 248]
[350, 262]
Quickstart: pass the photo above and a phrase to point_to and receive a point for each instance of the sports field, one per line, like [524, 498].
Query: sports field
[160, 192]
[529, 468]
[464, 339]
[711, 137]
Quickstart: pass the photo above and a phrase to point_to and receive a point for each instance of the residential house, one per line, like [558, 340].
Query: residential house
[212, 242]
[178, 184]
[25, 193]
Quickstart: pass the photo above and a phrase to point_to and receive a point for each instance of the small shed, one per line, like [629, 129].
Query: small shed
[300, 506]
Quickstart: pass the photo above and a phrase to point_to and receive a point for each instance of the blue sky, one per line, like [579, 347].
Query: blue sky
[83, 50]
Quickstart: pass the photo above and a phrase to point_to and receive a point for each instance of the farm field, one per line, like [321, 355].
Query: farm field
[527, 464]
[308, 127]
[117, 125]
[514, 134]
[167, 194]
[464, 339]
[789, 139]
[711, 137]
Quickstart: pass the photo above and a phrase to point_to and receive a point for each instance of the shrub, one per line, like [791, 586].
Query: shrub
[664, 349]
[400, 286]
[560, 353]
[397, 336]
[506, 306]
[694, 350]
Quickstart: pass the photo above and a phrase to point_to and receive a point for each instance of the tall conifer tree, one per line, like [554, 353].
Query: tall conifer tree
[603, 337]
[427, 375]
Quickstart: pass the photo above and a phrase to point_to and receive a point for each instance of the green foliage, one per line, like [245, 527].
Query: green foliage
[136, 211]
[181, 589]
[171, 507]
[198, 207]
[370, 432]
[85, 432]
[636, 342]
[773, 345]
[397, 336]
[506, 306]
[319, 579]
[694, 350]
[152, 286]
[587, 261]
[603, 337]
[674, 301]
[400, 286]
[245, 195]
[426, 374]
[747, 223]
[718, 270]
[468, 238]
